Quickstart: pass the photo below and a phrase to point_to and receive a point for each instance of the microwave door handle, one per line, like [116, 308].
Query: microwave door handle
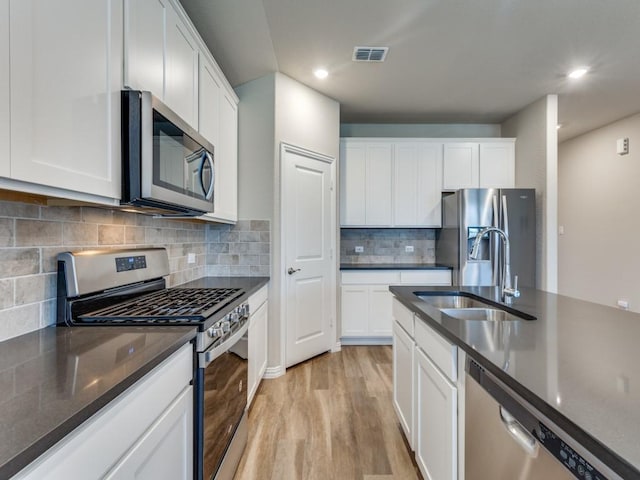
[208, 190]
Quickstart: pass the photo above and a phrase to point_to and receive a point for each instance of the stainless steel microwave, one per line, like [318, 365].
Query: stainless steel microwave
[168, 167]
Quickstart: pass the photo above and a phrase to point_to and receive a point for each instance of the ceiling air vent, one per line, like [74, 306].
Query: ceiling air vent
[370, 54]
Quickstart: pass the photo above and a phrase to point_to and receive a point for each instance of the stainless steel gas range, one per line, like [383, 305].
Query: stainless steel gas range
[127, 287]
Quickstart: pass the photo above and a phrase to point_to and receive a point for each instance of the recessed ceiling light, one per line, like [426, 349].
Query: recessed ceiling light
[578, 72]
[321, 73]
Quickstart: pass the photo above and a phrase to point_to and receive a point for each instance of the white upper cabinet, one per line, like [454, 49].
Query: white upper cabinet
[352, 183]
[210, 86]
[5, 150]
[226, 197]
[461, 167]
[145, 32]
[497, 165]
[391, 183]
[219, 124]
[181, 77]
[161, 55]
[417, 184]
[378, 171]
[66, 76]
[483, 164]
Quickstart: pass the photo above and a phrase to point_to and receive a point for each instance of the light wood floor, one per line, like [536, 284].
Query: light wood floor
[329, 418]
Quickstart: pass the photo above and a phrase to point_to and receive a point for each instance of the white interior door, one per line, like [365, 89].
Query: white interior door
[308, 226]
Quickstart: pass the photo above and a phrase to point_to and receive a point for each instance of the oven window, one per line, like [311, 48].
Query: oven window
[225, 399]
[179, 162]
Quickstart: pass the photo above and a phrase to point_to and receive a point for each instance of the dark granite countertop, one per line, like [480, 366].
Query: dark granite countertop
[577, 363]
[393, 266]
[53, 379]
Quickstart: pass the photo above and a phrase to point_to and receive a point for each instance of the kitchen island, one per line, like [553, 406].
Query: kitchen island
[576, 363]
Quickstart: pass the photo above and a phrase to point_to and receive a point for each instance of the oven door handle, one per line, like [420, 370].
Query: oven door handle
[205, 358]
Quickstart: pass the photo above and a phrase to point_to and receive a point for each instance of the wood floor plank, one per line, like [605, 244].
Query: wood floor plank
[332, 418]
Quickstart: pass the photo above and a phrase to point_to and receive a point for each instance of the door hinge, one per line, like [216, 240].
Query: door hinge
[331, 254]
[331, 187]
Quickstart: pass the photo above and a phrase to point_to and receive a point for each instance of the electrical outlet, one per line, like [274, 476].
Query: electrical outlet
[359, 249]
[408, 249]
[623, 304]
[191, 258]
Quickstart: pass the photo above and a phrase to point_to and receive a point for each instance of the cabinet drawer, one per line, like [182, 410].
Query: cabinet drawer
[403, 316]
[429, 277]
[442, 353]
[371, 277]
[258, 299]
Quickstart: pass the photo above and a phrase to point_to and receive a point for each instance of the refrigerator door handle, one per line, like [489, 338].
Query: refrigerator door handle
[505, 215]
[496, 262]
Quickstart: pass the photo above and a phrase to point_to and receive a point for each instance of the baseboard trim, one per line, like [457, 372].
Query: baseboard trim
[366, 341]
[274, 372]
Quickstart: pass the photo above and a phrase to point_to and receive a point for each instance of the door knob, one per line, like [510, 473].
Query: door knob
[291, 270]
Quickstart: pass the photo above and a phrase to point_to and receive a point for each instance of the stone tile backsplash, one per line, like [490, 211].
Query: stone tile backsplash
[243, 249]
[31, 236]
[387, 245]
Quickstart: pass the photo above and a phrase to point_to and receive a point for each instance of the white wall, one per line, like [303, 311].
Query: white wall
[599, 196]
[536, 167]
[256, 136]
[276, 109]
[420, 130]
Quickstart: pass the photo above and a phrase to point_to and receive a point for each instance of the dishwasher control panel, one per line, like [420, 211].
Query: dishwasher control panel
[573, 461]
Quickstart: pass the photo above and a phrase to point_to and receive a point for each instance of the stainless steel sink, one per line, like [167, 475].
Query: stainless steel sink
[465, 307]
[452, 301]
[482, 314]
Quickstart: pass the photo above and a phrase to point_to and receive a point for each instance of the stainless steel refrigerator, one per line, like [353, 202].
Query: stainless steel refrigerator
[466, 212]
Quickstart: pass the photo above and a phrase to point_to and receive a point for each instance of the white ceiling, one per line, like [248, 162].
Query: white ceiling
[449, 61]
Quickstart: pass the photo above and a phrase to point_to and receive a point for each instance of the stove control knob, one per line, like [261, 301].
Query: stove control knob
[234, 316]
[216, 331]
[226, 326]
[245, 310]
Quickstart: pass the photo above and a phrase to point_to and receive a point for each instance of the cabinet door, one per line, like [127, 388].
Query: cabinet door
[460, 166]
[352, 184]
[378, 184]
[380, 316]
[257, 349]
[66, 78]
[226, 155]
[355, 310]
[5, 151]
[145, 34]
[210, 86]
[403, 351]
[417, 184]
[165, 450]
[181, 70]
[497, 165]
[436, 421]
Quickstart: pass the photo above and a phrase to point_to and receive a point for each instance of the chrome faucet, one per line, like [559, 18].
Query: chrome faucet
[507, 291]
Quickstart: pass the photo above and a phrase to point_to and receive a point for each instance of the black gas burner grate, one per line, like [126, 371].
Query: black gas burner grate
[174, 305]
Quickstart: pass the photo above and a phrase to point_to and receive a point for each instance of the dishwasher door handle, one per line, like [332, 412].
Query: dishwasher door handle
[527, 441]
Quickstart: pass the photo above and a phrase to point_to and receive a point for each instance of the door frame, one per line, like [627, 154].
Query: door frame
[281, 277]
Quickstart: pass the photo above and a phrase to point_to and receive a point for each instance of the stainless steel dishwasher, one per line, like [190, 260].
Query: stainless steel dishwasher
[507, 439]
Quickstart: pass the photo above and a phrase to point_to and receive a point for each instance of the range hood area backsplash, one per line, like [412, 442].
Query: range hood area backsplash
[31, 236]
[388, 245]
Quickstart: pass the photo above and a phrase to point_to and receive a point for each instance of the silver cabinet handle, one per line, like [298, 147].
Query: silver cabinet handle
[291, 270]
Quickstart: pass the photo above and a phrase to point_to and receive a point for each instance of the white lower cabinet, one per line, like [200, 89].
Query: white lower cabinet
[425, 394]
[366, 301]
[145, 433]
[436, 421]
[403, 398]
[258, 321]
